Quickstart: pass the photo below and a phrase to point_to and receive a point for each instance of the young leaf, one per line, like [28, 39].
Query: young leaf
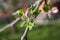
[19, 13]
[36, 12]
[47, 7]
[30, 25]
[22, 24]
[32, 9]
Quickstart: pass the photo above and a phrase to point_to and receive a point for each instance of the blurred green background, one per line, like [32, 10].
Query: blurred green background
[46, 32]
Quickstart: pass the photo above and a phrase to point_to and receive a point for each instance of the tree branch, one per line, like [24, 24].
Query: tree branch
[9, 25]
[25, 33]
[37, 3]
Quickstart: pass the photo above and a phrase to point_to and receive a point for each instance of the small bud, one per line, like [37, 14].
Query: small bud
[55, 10]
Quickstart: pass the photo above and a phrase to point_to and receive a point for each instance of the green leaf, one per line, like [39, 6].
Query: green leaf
[31, 25]
[19, 13]
[47, 7]
[22, 24]
[32, 9]
[36, 12]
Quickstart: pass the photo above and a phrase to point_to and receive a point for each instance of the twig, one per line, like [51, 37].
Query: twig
[9, 25]
[25, 33]
[38, 2]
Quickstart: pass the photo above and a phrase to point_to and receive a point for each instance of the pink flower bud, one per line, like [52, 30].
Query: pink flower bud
[55, 10]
